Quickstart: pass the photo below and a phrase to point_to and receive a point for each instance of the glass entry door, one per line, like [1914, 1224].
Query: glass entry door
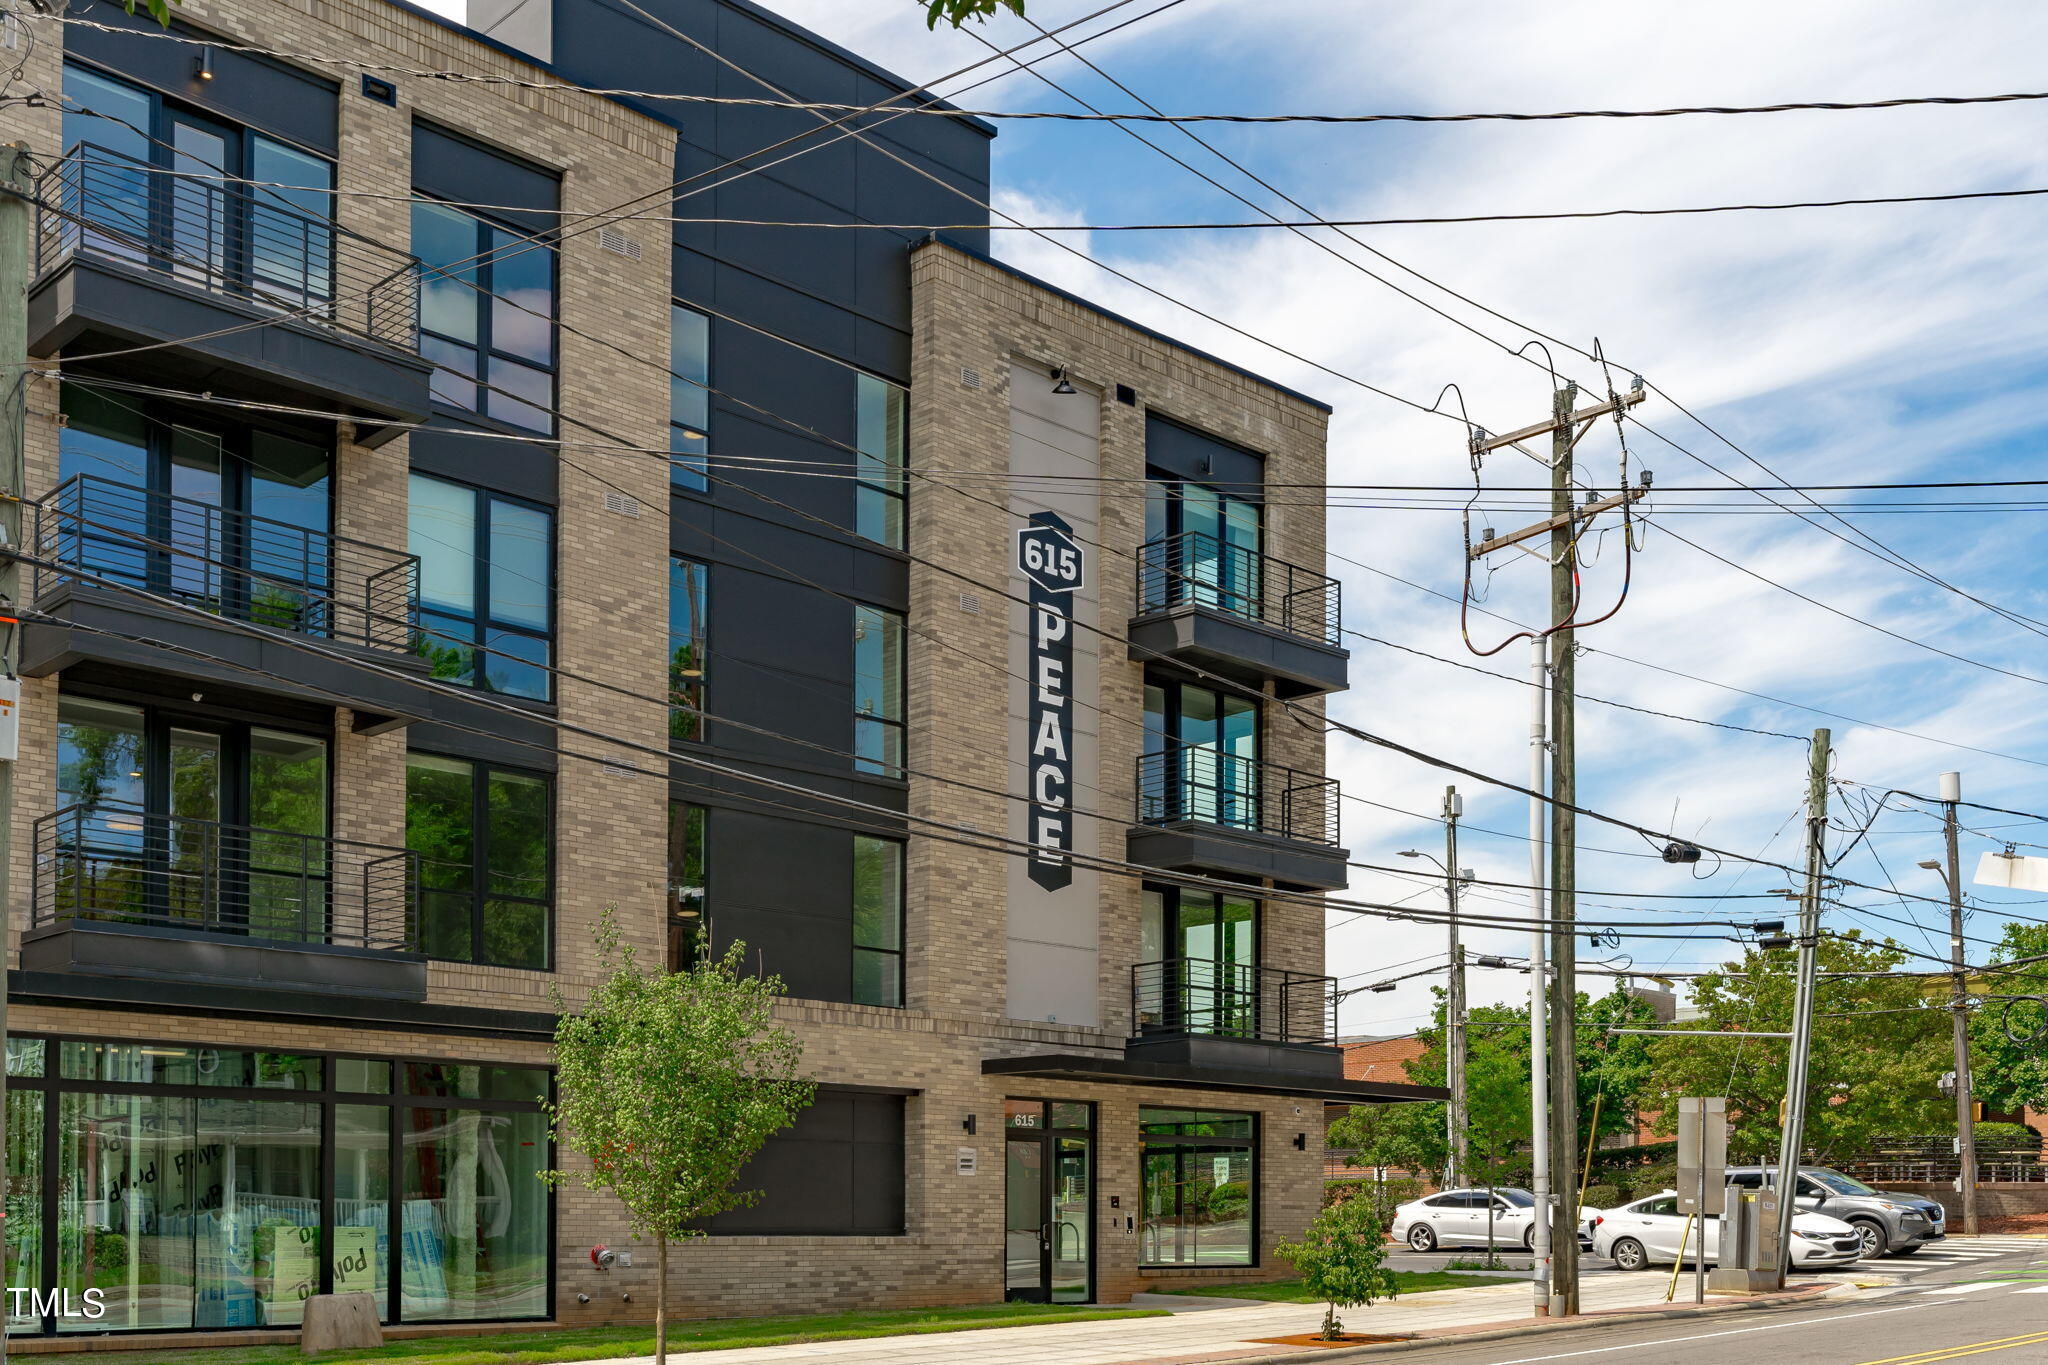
[1049, 1202]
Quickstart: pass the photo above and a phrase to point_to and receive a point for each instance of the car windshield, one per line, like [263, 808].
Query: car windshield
[1839, 1183]
[1519, 1198]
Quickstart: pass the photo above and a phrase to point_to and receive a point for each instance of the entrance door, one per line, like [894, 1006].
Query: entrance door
[1048, 1200]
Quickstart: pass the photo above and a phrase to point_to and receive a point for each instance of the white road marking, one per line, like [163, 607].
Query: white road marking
[1706, 1336]
[1965, 1288]
[2033, 1289]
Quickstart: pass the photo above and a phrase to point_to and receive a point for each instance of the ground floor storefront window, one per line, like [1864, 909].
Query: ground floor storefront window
[1200, 1187]
[204, 1188]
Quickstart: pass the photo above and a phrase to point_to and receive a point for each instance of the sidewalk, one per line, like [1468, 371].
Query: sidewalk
[1197, 1332]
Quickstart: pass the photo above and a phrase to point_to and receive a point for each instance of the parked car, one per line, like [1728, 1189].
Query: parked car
[1459, 1218]
[1649, 1232]
[1887, 1224]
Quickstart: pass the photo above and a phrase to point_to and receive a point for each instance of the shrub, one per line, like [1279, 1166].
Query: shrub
[1601, 1197]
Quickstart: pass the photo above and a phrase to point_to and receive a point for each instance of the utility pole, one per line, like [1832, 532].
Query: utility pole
[1553, 988]
[15, 216]
[1793, 1140]
[1454, 1002]
[1959, 1009]
[1539, 1045]
[1564, 847]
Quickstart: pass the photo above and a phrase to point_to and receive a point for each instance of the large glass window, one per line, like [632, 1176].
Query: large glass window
[877, 921]
[200, 1188]
[688, 634]
[878, 691]
[1202, 546]
[1198, 962]
[486, 586]
[1199, 1187]
[484, 836]
[882, 435]
[1201, 755]
[487, 315]
[689, 396]
[689, 923]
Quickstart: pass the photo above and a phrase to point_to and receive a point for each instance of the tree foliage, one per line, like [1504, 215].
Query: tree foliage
[668, 1083]
[958, 12]
[1341, 1259]
[2008, 1073]
[1878, 1051]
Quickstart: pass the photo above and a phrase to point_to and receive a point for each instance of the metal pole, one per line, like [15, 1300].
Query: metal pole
[1454, 1003]
[1959, 996]
[1793, 1139]
[1564, 1055]
[1699, 1260]
[15, 218]
[1539, 954]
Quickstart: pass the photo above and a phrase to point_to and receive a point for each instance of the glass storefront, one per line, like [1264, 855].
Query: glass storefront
[203, 1188]
[1199, 1188]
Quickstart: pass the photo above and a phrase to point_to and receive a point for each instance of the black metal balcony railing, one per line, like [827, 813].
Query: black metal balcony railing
[121, 864]
[250, 568]
[1233, 1000]
[1209, 786]
[226, 237]
[1195, 568]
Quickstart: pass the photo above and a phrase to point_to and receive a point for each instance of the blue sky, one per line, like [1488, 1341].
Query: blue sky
[1850, 345]
[1836, 346]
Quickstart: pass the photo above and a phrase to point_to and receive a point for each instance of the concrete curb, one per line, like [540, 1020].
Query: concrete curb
[1536, 1327]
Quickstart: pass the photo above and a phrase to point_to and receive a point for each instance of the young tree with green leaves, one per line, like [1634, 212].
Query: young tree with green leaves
[2009, 1073]
[1340, 1259]
[958, 12]
[1880, 1046]
[668, 1083]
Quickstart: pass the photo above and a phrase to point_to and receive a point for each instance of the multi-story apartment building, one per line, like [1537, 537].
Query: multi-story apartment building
[444, 531]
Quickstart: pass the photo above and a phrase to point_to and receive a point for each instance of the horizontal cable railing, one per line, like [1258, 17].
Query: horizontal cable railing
[1233, 1000]
[1209, 786]
[1195, 568]
[121, 864]
[251, 568]
[228, 238]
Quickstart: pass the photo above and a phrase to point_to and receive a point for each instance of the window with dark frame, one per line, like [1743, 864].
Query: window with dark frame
[487, 315]
[689, 585]
[689, 919]
[484, 835]
[878, 691]
[486, 586]
[882, 436]
[1198, 1187]
[877, 921]
[689, 397]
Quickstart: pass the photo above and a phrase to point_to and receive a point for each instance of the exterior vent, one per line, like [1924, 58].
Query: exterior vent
[970, 604]
[618, 767]
[618, 243]
[615, 501]
[1127, 395]
[970, 379]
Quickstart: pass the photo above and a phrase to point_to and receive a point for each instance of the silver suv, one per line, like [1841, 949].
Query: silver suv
[1887, 1224]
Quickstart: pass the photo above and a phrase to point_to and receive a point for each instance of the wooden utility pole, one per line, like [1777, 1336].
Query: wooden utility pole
[1454, 1001]
[1959, 1011]
[16, 216]
[1793, 1140]
[1558, 1155]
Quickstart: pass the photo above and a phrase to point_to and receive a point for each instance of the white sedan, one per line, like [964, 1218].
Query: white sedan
[1460, 1218]
[1649, 1231]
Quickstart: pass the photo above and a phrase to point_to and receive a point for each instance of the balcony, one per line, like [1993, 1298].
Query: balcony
[1241, 614]
[263, 301]
[1190, 1012]
[1203, 810]
[121, 892]
[96, 536]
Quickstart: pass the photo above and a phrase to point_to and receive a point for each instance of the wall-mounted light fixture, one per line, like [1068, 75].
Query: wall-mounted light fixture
[967, 1125]
[1060, 382]
[202, 65]
[1301, 1142]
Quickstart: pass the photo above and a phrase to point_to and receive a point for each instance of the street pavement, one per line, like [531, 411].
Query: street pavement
[1979, 1297]
[1947, 1254]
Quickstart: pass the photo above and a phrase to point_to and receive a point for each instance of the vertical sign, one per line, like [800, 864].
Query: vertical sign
[1051, 561]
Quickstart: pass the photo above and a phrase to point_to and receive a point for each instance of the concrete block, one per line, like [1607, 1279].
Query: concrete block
[340, 1322]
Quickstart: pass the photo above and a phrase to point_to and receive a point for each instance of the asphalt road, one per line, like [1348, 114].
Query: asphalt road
[1985, 1300]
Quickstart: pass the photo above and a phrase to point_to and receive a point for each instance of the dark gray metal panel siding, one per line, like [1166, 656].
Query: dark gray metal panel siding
[837, 1171]
[456, 167]
[1197, 455]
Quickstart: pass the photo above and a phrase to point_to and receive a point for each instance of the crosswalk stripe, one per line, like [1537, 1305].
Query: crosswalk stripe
[1964, 1288]
[2033, 1289]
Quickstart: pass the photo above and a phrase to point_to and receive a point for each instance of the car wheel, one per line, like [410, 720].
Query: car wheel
[1871, 1239]
[1628, 1254]
[1420, 1238]
[1529, 1239]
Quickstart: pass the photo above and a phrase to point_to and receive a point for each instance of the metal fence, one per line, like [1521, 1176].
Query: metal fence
[1233, 1000]
[121, 864]
[250, 568]
[1195, 568]
[225, 237]
[1209, 786]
